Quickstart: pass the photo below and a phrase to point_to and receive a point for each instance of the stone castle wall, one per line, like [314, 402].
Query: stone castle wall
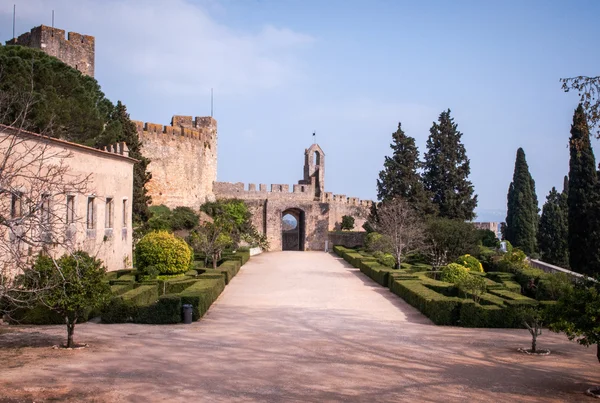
[322, 214]
[183, 160]
[77, 51]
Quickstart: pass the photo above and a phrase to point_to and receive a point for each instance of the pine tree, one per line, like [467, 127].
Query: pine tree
[446, 171]
[121, 128]
[522, 208]
[554, 230]
[583, 200]
[400, 176]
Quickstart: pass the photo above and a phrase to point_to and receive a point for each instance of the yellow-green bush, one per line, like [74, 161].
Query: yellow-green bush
[453, 272]
[164, 253]
[470, 262]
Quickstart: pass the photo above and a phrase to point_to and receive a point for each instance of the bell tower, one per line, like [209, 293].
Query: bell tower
[314, 169]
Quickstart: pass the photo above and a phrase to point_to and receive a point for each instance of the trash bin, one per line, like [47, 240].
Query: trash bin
[187, 314]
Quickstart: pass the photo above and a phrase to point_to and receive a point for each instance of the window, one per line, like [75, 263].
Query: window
[70, 209]
[45, 209]
[108, 219]
[16, 205]
[91, 213]
[125, 212]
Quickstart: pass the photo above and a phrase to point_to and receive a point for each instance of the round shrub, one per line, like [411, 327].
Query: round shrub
[470, 262]
[162, 253]
[454, 272]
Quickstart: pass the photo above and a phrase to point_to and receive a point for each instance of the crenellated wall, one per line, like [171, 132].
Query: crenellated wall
[77, 51]
[183, 159]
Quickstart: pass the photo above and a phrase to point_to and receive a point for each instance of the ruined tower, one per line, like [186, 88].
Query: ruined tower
[77, 51]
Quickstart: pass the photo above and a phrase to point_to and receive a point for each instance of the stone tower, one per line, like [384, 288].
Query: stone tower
[314, 169]
[77, 51]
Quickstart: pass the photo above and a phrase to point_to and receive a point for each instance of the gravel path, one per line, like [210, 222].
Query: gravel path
[292, 327]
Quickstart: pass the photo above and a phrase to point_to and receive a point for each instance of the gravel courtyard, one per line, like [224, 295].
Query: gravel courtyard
[291, 327]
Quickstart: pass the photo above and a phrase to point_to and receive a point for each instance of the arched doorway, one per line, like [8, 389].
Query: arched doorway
[292, 229]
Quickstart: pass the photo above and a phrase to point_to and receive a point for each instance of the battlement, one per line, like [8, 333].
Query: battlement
[76, 50]
[199, 128]
[239, 189]
[117, 148]
[329, 197]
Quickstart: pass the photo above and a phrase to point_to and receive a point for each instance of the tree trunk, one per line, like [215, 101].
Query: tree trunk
[70, 332]
[214, 259]
[533, 342]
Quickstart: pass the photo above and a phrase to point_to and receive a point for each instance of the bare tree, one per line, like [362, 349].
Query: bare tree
[36, 186]
[399, 222]
[588, 89]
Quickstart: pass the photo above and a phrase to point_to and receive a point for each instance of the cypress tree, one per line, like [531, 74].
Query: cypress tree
[554, 230]
[400, 176]
[583, 200]
[522, 208]
[446, 171]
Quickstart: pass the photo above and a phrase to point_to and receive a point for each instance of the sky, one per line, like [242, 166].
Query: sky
[349, 71]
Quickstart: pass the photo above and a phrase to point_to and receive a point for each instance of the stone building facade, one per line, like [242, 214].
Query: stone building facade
[77, 51]
[97, 220]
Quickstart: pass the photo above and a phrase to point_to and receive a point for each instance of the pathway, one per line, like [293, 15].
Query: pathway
[291, 327]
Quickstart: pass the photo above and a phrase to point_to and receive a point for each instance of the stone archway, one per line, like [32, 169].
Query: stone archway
[293, 229]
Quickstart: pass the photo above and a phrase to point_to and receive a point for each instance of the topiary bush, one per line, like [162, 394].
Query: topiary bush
[386, 259]
[164, 253]
[470, 262]
[454, 272]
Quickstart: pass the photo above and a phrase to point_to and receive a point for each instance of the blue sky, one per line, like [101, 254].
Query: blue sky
[351, 70]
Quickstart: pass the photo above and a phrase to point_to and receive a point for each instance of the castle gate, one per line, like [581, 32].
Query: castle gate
[293, 229]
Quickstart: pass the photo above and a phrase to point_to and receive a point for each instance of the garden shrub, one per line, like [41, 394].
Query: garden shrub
[167, 309]
[183, 218]
[123, 308]
[470, 262]
[163, 251]
[440, 309]
[229, 269]
[453, 272]
[374, 241]
[472, 286]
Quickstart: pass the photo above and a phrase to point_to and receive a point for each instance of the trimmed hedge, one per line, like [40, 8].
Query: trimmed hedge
[202, 294]
[440, 309]
[229, 268]
[123, 308]
[438, 300]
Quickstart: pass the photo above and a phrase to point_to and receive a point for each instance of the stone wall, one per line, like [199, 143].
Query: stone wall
[183, 160]
[77, 51]
[350, 239]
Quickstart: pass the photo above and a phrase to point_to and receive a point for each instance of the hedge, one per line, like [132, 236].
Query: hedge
[164, 311]
[438, 300]
[229, 268]
[440, 309]
[202, 294]
[123, 308]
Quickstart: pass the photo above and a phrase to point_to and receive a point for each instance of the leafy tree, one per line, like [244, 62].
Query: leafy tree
[402, 226]
[400, 176]
[231, 216]
[583, 200]
[577, 313]
[473, 286]
[184, 218]
[347, 223]
[522, 208]
[533, 318]
[210, 239]
[446, 171]
[488, 238]
[553, 231]
[75, 286]
[70, 106]
[161, 252]
[446, 240]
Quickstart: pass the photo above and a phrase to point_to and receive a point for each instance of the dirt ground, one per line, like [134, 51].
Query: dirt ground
[294, 327]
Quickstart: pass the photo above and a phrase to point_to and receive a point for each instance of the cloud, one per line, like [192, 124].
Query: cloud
[173, 48]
